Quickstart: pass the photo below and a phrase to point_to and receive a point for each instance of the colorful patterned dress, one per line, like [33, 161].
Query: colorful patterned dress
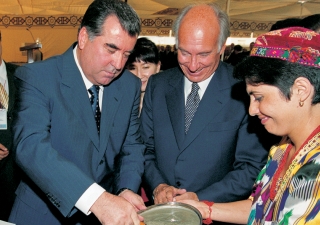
[294, 199]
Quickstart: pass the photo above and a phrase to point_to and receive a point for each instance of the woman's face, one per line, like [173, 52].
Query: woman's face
[278, 115]
[144, 70]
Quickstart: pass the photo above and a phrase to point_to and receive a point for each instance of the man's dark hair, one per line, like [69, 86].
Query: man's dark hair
[99, 10]
[279, 73]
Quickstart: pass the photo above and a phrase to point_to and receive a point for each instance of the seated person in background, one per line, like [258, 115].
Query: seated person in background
[284, 93]
[144, 62]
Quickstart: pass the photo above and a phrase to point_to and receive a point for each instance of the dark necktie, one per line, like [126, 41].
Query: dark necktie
[94, 100]
[191, 105]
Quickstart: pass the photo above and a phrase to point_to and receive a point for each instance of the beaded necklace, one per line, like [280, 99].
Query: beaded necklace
[279, 185]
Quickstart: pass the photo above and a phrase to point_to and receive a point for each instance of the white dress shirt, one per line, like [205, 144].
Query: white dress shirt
[202, 87]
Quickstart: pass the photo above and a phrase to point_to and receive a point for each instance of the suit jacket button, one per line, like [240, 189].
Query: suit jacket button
[178, 183]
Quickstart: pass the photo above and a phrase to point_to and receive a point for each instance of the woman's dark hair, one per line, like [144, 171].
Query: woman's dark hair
[145, 51]
[98, 12]
[290, 22]
[311, 22]
[279, 73]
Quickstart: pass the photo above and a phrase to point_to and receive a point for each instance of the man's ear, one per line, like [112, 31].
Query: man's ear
[83, 37]
[222, 49]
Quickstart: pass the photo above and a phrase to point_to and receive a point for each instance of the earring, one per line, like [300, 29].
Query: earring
[301, 103]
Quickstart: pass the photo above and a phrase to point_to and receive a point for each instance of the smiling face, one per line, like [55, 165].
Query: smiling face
[278, 115]
[144, 70]
[103, 58]
[198, 50]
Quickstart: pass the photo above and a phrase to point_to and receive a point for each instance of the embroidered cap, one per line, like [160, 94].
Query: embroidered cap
[293, 44]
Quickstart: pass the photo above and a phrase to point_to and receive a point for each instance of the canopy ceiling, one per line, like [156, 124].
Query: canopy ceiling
[253, 10]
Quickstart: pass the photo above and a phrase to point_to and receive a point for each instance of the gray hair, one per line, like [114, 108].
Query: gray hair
[223, 19]
[99, 10]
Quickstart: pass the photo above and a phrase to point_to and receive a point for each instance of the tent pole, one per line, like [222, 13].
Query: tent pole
[301, 8]
[228, 7]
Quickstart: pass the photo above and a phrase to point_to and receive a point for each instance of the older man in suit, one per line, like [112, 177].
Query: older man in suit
[76, 127]
[194, 119]
[9, 173]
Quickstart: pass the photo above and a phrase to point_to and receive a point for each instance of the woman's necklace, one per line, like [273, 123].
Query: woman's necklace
[276, 180]
[278, 184]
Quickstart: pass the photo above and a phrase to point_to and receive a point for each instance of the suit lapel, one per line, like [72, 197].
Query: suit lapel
[175, 104]
[210, 105]
[75, 94]
[111, 99]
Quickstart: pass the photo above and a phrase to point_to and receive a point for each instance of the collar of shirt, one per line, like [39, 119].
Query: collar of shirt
[202, 87]
[87, 83]
[3, 76]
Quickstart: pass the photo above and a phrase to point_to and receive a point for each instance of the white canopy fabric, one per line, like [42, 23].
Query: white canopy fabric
[253, 10]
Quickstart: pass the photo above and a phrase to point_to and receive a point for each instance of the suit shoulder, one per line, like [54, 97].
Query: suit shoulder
[38, 69]
[226, 68]
[129, 78]
[168, 74]
[126, 74]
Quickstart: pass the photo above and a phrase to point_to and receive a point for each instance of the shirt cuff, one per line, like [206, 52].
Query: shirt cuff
[89, 197]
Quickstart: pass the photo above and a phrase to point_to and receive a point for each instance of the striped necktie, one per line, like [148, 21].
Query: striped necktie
[4, 98]
[94, 100]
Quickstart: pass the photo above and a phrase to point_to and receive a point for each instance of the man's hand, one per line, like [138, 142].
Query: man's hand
[115, 210]
[3, 151]
[165, 193]
[134, 199]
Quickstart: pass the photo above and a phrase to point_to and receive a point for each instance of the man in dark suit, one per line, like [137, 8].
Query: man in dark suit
[216, 158]
[76, 127]
[9, 175]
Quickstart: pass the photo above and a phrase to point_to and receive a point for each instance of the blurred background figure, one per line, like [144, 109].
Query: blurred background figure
[236, 56]
[144, 62]
[167, 58]
[9, 175]
[250, 48]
